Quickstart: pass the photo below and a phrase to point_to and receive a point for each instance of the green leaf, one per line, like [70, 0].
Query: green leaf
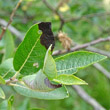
[37, 82]
[49, 65]
[29, 57]
[10, 102]
[4, 105]
[59, 93]
[7, 104]
[2, 81]
[2, 94]
[6, 69]
[9, 45]
[70, 63]
[69, 80]
[11, 99]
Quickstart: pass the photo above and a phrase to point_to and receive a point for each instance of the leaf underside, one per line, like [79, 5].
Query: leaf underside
[37, 82]
[59, 93]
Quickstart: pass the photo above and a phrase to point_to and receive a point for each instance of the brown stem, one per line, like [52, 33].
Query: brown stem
[88, 98]
[78, 47]
[8, 81]
[87, 16]
[56, 12]
[10, 20]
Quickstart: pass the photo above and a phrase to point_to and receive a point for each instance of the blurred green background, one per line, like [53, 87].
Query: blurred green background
[81, 31]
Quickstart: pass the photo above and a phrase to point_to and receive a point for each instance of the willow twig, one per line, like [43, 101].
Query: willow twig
[87, 98]
[12, 29]
[102, 70]
[10, 20]
[87, 16]
[78, 47]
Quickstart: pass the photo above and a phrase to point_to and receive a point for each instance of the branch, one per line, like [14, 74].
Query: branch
[78, 47]
[60, 3]
[8, 81]
[102, 69]
[12, 29]
[63, 21]
[56, 12]
[87, 16]
[93, 49]
[90, 43]
[10, 20]
[87, 98]
[52, 9]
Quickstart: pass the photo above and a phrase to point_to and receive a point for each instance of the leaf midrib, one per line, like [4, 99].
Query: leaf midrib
[67, 69]
[28, 55]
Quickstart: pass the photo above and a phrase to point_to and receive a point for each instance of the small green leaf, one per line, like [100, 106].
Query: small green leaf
[2, 94]
[2, 81]
[37, 82]
[9, 45]
[69, 80]
[10, 102]
[11, 99]
[49, 65]
[59, 93]
[29, 57]
[7, 104]
[70, 63]
[6, 69]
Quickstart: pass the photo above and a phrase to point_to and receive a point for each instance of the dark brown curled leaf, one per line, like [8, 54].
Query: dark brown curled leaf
[47, 37]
